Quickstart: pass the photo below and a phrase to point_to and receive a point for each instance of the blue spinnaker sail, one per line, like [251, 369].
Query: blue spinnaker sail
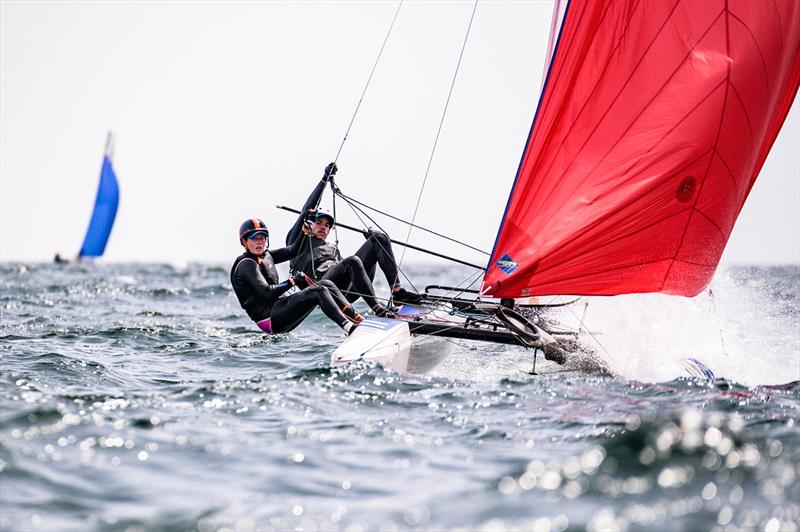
[105, 208]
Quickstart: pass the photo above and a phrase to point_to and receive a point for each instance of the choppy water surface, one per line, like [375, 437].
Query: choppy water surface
[139, 397]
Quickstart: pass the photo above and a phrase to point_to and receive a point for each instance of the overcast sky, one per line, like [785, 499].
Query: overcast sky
[223, 110]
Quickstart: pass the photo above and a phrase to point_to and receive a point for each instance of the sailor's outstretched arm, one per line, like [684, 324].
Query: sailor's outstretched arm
[311, 203]
[291, 251]
[248, 271]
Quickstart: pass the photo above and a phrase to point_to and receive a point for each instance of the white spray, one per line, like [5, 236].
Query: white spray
[739, 332]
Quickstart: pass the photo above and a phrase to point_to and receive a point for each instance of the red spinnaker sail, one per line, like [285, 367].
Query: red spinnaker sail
[654, 123]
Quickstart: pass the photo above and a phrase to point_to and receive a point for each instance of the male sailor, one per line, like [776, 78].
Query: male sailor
[354, 274]
[262, 295]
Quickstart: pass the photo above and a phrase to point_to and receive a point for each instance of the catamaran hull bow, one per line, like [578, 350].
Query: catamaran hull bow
[390, 343]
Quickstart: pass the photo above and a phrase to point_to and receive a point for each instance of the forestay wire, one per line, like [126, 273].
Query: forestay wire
[350, 201]
[438, 132]
[377, 59]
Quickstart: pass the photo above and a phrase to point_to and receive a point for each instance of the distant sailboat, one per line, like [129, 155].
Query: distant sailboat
[105, 207]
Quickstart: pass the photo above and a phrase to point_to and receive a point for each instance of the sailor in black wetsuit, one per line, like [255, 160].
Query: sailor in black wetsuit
[255, 281]
[353, 275]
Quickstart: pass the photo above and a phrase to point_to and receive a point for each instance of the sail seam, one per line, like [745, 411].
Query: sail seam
[744, 110]
[599, 78]
[542, 95]
[726, 14]
[757, 47]
[780, 26]
[614, 101]
[694, 205]
[709, 95]
[727, 168]
[667, 134]
[601, 245]
[599, 272]
[601, 220]
[710, 220]
[616, 268]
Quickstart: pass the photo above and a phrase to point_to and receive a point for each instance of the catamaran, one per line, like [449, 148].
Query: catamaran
[653, 123]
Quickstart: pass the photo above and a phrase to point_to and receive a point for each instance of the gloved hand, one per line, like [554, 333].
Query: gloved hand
[330, 171]
[369, 231]
[311, 215]
[300, 280]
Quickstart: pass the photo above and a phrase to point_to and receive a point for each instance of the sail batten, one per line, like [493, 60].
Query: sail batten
[654, 123]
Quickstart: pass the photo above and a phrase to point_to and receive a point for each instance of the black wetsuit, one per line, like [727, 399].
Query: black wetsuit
[354, 275]
[261, 295]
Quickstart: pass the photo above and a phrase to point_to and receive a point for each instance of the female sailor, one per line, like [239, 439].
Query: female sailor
[261, 294]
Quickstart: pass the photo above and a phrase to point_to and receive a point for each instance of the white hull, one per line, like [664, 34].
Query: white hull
[389, 343]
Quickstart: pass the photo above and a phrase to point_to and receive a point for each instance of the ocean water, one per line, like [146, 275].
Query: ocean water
[139, 397]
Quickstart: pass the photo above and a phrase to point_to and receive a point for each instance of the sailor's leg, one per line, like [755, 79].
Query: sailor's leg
[361, 286]
[289, 312]
[358, 282]
[341, 300]
[340, 275]
[378, 250]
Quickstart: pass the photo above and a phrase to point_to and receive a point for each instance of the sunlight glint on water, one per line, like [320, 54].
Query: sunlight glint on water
[139, 396]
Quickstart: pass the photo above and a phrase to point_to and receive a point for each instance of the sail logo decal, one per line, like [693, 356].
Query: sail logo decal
[507, 264]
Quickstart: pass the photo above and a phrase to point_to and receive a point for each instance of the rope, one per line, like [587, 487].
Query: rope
[356, 211]
[335, 225]
[441, 123]
[348, 198]
[311, 254]
[368, 80]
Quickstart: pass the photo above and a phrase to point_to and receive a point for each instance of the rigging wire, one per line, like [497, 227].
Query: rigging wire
[353, 118]
[344, 196]
[719, 324]
[472, 278]
[385, 40]
[440, 305]
[583, 325]
[335, 225]
[360, 219]
[362, 211]
[438, 132]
